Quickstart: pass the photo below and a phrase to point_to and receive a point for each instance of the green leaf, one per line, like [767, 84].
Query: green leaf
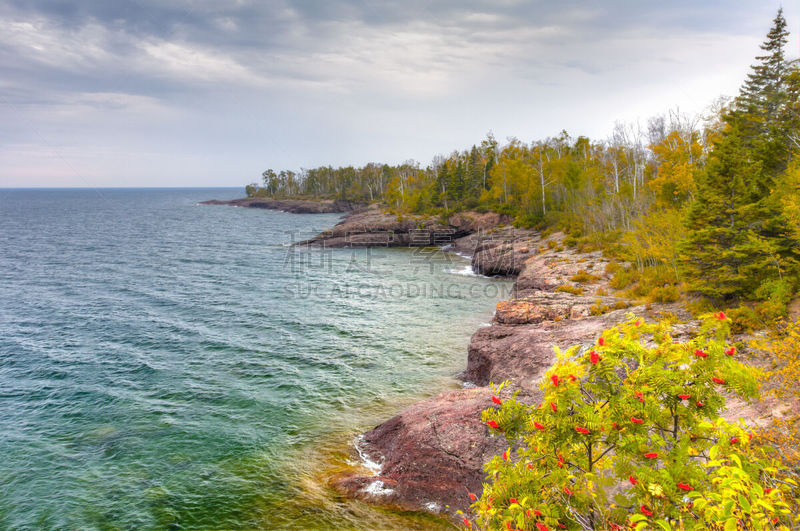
[713, 452]
[744, 503]
[664, 525]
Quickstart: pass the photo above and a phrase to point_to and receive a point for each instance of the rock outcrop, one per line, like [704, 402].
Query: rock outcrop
[375, 227]
[432, 454]
[294, 206]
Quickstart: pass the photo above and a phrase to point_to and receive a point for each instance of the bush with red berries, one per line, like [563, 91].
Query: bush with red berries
[629, 434]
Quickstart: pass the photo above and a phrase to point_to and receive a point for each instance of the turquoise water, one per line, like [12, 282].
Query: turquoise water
[170, 365]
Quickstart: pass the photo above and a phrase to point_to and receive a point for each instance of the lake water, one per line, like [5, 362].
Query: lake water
[170, 365]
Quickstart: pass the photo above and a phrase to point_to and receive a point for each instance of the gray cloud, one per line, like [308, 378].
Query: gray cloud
[299, 83]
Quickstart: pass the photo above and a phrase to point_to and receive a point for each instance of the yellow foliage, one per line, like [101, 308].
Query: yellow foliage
[584, 277]
[782, 345]
[654, 239]
[677, 155]
[575, 290]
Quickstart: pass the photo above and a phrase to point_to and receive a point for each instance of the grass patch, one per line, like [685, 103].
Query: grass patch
[566, 288]
[584, 277]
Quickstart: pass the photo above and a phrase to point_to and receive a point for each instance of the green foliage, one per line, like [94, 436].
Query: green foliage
[624, 277]
[775, 295]
[745, 319]
[571, 241]
[653, 280]
[728, 250]
[741, 493]
[629, 432]
[664, 294]
[252, 190]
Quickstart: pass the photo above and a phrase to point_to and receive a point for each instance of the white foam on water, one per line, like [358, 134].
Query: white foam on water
[376, 488]
[368, 463]
[466, 271]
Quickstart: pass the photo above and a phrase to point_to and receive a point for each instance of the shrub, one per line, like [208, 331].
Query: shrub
[629, 434]
[775, 295]
[566, 288]
[599, 308]
[527, 221]
[664, 294]
[745, 319]
[612, 267]
[624, 278]
[584, 277]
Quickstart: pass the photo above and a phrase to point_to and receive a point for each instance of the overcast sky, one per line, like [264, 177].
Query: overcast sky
[212, 92]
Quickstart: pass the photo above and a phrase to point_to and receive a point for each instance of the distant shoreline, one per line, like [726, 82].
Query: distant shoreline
[293, 206]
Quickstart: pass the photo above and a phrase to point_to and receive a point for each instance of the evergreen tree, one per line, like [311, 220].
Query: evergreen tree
[736, 237]
[759, 111]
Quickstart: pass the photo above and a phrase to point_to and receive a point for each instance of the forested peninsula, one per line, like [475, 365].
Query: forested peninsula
[664, 262]
[706, 204]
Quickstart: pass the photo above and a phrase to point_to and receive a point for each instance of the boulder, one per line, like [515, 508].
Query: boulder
[431, 454]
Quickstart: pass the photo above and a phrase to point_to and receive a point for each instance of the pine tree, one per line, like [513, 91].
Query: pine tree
[763, 90]
[736, 229]
[759, 111]
[718, 233]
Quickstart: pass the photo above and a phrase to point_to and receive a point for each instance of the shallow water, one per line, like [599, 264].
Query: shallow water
[165, 364]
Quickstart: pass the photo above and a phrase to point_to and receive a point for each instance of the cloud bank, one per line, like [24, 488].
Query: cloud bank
[200, 93]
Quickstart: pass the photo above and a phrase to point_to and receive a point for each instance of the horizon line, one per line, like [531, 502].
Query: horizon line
[115, 187]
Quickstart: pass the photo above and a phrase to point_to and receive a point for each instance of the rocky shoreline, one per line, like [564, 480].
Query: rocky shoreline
[431, 454]
[293, 206]
[375, 227]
